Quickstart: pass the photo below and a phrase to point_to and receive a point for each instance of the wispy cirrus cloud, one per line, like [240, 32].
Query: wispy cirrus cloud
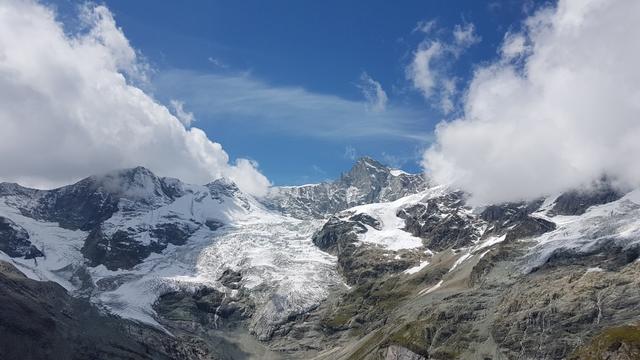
[373, 92]
[290, 109]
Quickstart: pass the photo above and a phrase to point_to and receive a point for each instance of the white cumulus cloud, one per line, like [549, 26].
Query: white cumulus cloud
[514, 46]
[68, 109]
[565, 114]
[421, 71]
[186, 117]
[465, 35]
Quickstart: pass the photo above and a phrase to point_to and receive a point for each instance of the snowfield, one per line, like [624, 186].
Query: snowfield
[391, 235]
[613, 224]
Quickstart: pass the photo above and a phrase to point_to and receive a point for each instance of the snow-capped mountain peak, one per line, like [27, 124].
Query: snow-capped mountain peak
[366, 182]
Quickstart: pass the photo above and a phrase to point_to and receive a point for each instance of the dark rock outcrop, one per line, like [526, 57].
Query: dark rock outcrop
[14, 240]
[576, 202]
[606, 254]
[365, 219]
[39, 320]
[360, 262]
[442, 222]
[213, 224]
[89, 202]
[118, 251]
[122, 250]
[529, 227]
[337, 234]
[503, 216]
[206, 306]
[231, 279]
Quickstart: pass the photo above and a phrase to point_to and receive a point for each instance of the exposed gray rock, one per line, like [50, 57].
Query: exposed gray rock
[606, 254]
[365, 219]
[337, 234]
[231, 279]
[359, 262]
[467, 304]
[443, 222]
[39, 320]
[14, 240]
[576, 202]
[206, 306]
[122, 250]
[501, 217]
[529, 227]
[548, 314]
[213, 224]
[395, 352]
[220, 188]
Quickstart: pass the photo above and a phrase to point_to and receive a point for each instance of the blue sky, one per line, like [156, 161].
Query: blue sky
[280, 82]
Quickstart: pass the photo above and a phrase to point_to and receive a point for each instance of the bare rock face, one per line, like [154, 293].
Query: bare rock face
[550, 314]
[443, 222]
[121, 250]
[231, 279]
[576, 202]
[336, 234]
[504, 216]
[14, 240]
[39, 320]
[358, 262]
[395, 352]
[529, 227]
[615, 343]
[87, 203]
[206, 306]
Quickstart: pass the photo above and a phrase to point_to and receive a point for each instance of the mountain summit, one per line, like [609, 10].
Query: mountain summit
[366, 182]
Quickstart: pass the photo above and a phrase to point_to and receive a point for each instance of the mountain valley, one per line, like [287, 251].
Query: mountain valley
[379, 264]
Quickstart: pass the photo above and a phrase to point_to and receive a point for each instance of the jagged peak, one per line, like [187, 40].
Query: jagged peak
[136, 183]
[223, 181]
[12, 188]
[371, 162]
[134, 172]
[363, 169]
[223, 186]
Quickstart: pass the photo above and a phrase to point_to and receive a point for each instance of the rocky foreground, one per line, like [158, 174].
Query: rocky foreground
[379, 264]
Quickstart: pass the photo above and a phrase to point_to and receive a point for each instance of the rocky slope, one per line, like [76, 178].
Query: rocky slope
[40, 320]
[507, 281]
[376, 265]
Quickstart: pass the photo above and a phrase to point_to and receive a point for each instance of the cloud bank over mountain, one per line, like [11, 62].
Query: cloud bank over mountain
[69, 107]
[558, 109]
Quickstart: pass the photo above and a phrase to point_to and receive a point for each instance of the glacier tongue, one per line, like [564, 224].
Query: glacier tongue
[285, 273]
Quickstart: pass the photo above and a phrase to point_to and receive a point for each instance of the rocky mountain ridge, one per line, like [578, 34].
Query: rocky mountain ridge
[367, 182]
[379, 264]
